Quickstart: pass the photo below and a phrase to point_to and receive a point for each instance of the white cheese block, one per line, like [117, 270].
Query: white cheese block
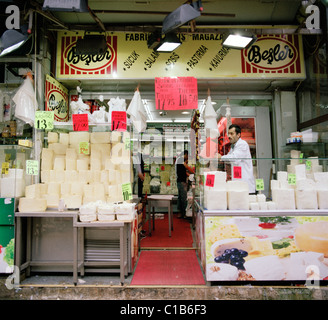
[115, 136]
[82, 164]
[33, 191]
[70, 164]
[71, 153]
[112, 176]
[109, 165]
[221, 271]
[99, 190]
[65, 188]
[282, 175]
[95, 176]
[75, 137]
[306, 199]
[254, 206]
[314, 161]
[305, 184]
[32, 205]
[263, 205]
[64, 138]
[59, 163]
[317, 168]
[88, 190]
[58, 148]
[284, 199]
[100, 137]
[322, 198]
[321, 176]
[300, 171]
[295, 154]
[45, 176]
[76, 188]
[60, 175]
[106, 217]
[291, 168]
[47, 158]
[71, 175]
[216, 199]
[95, 164]
[52, 137]
[54, 188]
[265, 268]
[52, 200]
[260, 197]
[252, 198]
[271, 205]
[84, 176]
[238, 200]
[104, 176]
[73, 201]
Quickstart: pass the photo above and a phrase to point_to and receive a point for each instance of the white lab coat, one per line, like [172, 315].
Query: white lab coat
[238, 156]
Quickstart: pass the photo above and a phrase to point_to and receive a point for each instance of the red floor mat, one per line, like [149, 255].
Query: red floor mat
[168, 267]
[181, 236]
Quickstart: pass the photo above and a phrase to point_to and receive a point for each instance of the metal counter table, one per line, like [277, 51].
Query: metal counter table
[160, 201]
[57, 243]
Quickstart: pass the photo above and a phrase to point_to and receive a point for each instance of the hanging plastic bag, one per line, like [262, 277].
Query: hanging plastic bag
[210, 116]
[25, 101]
[137, 112]
[115, 104]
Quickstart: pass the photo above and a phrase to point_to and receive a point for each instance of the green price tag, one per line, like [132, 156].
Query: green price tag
[32, 167]
[128, 144]
[127, 191]
[44, 120]
[308, 164]
[259, 184]
[292, 179]
[84, 147]
[5, 168]
[301, 157]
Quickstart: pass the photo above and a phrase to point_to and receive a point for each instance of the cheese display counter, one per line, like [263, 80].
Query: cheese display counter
[278, 235]
[81, 215]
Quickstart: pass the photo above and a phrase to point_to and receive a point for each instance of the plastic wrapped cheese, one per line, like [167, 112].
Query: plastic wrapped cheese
[32, 205]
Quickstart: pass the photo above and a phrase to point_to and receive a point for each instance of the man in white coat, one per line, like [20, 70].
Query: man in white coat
[240, 155]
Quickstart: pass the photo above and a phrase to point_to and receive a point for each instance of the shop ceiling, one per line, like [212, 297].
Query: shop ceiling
[260, 16]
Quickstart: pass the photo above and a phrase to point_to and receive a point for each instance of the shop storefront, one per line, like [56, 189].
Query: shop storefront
[74, 181]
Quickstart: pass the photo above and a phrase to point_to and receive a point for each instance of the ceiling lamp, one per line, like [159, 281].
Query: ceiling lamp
[238, 40]
[154, 39]
[181, 16]
[11, 40]
[64, 5]
[169, 43]
[91, 45]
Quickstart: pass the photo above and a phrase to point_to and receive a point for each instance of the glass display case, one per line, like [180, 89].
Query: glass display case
[279, 233]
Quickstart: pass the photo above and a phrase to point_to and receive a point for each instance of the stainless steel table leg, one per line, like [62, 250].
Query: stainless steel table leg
[75, 250]
[18, 231]
[122, 256]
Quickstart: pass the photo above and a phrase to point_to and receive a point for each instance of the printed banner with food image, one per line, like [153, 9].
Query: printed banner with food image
[266, 248]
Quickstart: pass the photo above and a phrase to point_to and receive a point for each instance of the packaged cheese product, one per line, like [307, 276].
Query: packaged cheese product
[100, 137]
[64, 138]
[52, 137]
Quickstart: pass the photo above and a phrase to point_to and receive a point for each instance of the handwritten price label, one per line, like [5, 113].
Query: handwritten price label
[118, 121]
[237, 173]
[259, 184]
[44, 120]
[32, 167]
[308, 164]
[127, 191]
[210, 180]
[292, 179]
[5, 168]
[80, 122]
[84, 148]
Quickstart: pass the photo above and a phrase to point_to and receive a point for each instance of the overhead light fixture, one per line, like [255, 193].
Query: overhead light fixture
[91, 45]
[169, 43]
[238, 40]
[154, 39]
[64, 5]
[11, 40]
[181, 16]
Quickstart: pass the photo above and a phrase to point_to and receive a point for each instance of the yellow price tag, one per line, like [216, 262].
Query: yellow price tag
[259, 184]
[127, 191]
[292, 179]
[5, 168]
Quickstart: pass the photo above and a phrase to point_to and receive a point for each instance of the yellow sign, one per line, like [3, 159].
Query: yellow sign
[200, 56]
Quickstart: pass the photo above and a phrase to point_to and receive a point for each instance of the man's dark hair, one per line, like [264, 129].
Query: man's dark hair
[237, 128]
[185, 152]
